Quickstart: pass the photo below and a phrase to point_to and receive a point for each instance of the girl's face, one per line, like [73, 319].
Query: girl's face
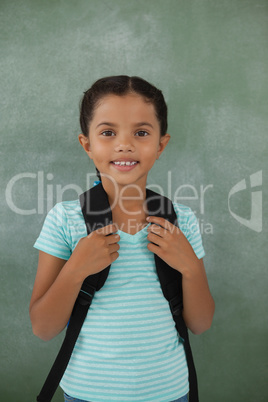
[124, 139]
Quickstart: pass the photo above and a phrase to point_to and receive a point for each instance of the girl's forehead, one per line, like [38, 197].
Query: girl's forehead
[131, 105]
[112, 99]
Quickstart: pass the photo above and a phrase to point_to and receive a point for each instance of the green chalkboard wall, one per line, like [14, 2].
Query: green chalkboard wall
[210, 59]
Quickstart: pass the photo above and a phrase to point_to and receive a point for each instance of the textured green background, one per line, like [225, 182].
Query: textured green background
[210, 59]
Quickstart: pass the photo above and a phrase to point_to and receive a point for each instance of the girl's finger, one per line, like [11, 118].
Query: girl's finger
[113, 238]
[114, 248]
[154, 249]
[107, 230]
[114, 256]
[158, 230]
[161, 221]
[155, 239]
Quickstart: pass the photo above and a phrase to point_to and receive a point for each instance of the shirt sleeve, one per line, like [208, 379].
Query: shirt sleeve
[189, 225]
[53, 238]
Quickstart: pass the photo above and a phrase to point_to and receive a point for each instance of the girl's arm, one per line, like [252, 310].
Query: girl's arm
[198, 304]
[58, 282]
[170, 244]
[55, 290]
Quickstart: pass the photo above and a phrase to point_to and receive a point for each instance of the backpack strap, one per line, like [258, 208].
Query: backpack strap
[170, 279]
[97, 213]
[171, 284]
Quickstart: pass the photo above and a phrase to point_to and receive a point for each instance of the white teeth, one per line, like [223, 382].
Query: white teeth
[125, 163]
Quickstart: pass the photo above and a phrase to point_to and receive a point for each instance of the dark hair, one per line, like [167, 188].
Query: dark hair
[121, 85]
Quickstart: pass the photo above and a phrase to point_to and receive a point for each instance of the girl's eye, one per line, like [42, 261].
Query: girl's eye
[142, 133]
[107, 133]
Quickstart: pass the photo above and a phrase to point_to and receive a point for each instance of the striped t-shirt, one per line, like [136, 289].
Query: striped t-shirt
[128, 349]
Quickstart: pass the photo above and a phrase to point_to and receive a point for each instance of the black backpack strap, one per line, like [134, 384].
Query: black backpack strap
[171, 284]
[96, 211]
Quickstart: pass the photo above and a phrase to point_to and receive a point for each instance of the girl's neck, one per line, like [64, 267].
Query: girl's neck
[127, 198]
[128, 206]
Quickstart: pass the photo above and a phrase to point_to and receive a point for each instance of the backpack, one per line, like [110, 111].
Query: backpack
[97, 213]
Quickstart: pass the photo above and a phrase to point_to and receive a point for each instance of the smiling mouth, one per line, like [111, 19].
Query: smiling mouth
[125, 163]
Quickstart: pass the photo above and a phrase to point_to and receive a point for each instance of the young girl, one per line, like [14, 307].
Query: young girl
[128, 348]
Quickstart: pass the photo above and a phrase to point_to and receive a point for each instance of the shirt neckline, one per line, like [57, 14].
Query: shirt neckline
[134, 238]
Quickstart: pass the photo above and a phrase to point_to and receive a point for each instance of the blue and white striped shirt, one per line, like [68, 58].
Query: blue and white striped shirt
[128, 349]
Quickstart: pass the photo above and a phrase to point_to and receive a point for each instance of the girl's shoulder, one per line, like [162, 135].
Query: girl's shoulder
[187, 220]
[64, 216]
[66, 208]
[62, 229]
[189, 225]
[183, 211]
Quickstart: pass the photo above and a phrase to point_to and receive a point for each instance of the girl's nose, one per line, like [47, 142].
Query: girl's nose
[124, 145]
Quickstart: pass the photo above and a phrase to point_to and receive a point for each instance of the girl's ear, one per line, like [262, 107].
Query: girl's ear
[84, 141]
[162, 144]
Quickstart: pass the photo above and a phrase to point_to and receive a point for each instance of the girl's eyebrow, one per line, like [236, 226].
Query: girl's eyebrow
[142, 123]
[106, 123]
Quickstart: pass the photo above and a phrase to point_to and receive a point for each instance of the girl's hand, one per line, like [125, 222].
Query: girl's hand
[96, 251]
[170, 244]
